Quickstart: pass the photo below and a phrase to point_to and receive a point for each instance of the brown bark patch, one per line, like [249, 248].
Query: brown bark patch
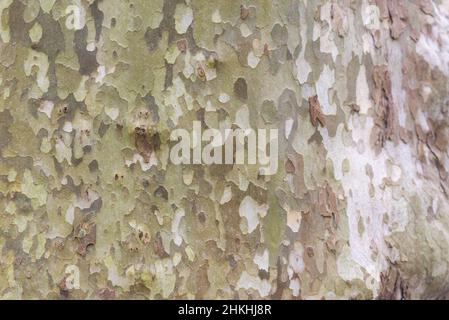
[316, 115]
[386, 126]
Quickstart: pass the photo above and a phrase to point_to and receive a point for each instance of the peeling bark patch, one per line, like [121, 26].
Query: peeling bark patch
[86, 234]
[386, 121]
[316, 115]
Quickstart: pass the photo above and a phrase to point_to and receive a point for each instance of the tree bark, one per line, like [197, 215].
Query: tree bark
[91, 205]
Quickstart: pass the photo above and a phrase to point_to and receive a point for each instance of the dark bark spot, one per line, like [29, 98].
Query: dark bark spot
[152, 37]
[241, 89]
[161, 192]
[98, 18]
[87, 59]
[93, 166]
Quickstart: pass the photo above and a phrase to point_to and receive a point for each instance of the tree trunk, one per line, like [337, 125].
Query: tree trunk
[92, 204]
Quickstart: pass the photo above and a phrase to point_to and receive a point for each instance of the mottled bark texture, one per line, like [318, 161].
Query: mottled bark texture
[92, 89]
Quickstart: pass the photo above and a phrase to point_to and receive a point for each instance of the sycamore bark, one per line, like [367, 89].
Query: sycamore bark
[92, 207]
